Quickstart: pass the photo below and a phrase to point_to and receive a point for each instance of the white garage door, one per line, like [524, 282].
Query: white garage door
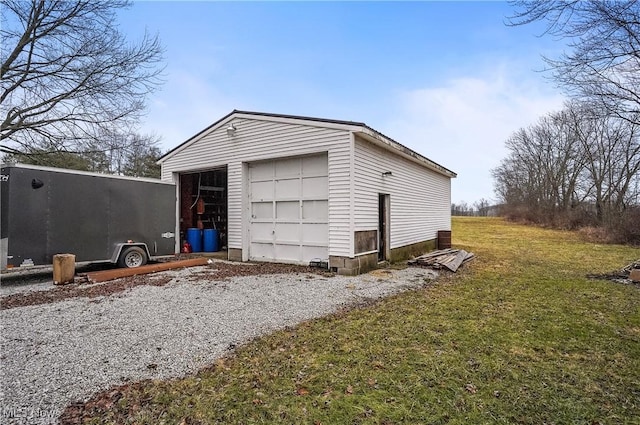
[289, 210]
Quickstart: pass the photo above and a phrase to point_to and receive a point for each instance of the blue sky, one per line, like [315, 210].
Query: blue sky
[447, 79]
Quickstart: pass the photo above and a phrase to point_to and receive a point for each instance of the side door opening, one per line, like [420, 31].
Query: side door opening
[384, 227]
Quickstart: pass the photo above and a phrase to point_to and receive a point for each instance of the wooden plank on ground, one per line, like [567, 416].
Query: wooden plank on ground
[104, 275]
[437, 253]
[455, 262]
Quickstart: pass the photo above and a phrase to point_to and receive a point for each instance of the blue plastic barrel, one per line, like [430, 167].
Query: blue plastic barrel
[194, 237]
[211, 240]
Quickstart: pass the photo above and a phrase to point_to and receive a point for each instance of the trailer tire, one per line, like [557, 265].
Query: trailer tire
[132, 257]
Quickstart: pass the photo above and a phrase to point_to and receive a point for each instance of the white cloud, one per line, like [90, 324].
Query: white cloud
[186, 105]
[464, 123]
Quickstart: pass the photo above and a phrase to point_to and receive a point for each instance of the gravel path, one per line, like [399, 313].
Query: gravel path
[54, 354]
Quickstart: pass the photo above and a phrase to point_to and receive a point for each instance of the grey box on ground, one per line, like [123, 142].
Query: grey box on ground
[64, 268]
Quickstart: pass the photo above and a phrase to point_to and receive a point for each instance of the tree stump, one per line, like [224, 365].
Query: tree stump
[64, 268]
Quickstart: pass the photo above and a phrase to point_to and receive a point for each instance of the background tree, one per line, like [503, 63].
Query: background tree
[139, 159]
[461, 209]
[482, 207]
[69, 76]
[602, 64]
[52, 159]
[582, 165]
[479, 208]
[131, 155]
[572, 168]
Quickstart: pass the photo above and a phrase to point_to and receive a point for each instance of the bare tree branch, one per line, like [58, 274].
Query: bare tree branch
[68, 75]
[603, 60]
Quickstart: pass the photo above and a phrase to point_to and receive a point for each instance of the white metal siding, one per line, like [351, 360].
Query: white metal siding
[257, 140]
[234, 204]
[420, 198]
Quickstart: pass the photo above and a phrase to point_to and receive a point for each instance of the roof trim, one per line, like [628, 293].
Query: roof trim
[354, 126]
[82, 173]
[389, 144]
[194, 138]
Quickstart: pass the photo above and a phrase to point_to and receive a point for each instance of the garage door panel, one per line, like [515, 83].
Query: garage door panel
[262, 210]
[287, 232]
[288, 189]
[287, 167]
[289, 209]
[315, 187]
[262, 251]
[262, 190]
[315, 210]
[262, 232]
[287, 252]
[261, 171]
[315, 234]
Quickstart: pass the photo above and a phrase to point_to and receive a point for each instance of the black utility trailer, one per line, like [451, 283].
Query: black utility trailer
[99, 218]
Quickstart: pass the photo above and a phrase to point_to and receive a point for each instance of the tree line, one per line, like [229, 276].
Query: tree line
[480, 208]
[121, 154]
[580, 166]
[573, 168]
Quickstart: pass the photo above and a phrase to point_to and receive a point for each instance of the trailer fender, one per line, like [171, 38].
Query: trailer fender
[121, 247]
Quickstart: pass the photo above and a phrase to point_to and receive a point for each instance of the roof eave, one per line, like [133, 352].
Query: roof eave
[195, 137]
[385, 142]
[356, 127]
[293, 119]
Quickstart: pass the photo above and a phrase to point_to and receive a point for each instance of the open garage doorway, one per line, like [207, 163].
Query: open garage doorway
[204, 206]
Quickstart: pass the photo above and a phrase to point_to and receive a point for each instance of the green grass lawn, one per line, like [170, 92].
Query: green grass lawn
[519, 335]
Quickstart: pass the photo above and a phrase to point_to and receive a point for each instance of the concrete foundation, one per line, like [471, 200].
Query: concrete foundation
[405, 252]
[235, 254]
[354, 266]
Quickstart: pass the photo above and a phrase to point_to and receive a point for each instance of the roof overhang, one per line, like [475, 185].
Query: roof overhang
[384, 142]
[358, 128]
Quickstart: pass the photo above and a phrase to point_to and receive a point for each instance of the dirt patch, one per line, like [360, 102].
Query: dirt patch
[215, 271]
[81, 412]
[74, 290]
[224, 270]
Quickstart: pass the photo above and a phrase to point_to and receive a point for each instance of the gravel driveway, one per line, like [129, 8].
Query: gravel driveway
[56, 353]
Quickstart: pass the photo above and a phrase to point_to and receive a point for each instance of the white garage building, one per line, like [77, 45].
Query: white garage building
[296, 189]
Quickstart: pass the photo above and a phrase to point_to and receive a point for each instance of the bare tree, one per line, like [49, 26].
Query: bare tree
[579, 166]
[482, 207]
[603, 63]
[68, 75]
[611, 148]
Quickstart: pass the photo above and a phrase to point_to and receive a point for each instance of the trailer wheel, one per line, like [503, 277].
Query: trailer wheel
[133, 256]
